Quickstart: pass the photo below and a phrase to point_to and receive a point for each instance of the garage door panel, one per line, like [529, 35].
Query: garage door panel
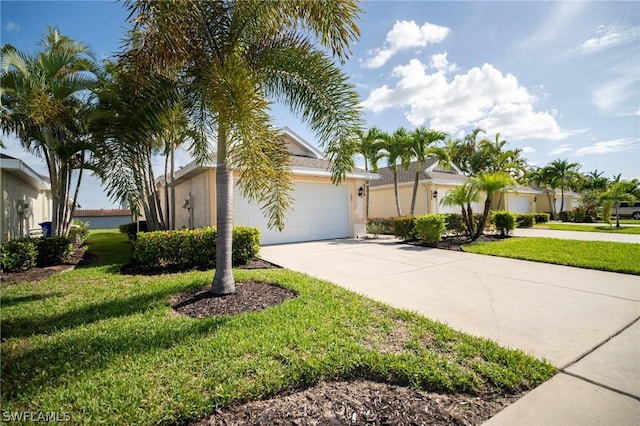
[319, 211]
[518, 204]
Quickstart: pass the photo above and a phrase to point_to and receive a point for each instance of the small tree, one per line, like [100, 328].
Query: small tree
[490, 183]
[617, 192]
[463, 196]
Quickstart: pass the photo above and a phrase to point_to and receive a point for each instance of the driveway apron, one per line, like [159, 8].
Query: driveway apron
[583, 321]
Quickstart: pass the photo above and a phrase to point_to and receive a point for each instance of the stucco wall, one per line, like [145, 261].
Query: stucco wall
[14, 189]
[382, 202]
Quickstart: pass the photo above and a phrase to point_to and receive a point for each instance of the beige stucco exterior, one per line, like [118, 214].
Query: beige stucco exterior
[21, 184]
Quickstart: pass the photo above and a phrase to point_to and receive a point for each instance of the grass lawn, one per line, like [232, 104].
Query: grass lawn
[108, 348]
[605, 256]
[594, 228]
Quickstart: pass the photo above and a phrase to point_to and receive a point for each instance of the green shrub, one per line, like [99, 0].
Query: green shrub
[525, 220]
[429, 227]
[53, 250]
[541, 217]
[131, 229]
[578, 216]
[18, 255]
[565, 216]
[504, 221]
[378, 225]
[404, 228]
[79, 233]
[588, 219]
[454, 224]
[193, 248]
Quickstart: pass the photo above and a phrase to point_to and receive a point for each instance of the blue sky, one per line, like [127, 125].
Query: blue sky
[559, 80]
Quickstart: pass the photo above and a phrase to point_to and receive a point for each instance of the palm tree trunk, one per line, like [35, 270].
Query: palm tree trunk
[166, 187]
[172, 225]
[562, 197]
[469, 219]
[223, 282]
[415, 192]
[395, 188]
[552, 204]
[483, 219]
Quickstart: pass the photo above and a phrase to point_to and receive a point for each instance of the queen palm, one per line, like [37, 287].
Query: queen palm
[44, 102]
[397, 146]
[236, 58]
[563, 172]
[422, 147]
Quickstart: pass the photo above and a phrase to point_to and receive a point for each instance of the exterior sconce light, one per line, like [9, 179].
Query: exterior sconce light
[535, 199]
[186, 204]
[434, 194]
[361, 191]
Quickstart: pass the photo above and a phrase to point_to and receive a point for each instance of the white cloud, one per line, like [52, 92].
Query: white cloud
[554, 26]
[560, 149]
[11, 26]
[610, 36]
[440, 63]
[605, 147]
[620, 93]
[528, 150]
[406, 35]
[483, 97]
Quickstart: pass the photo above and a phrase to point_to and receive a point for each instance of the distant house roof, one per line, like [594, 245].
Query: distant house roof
[101, 213]
[429, 172]
[22, 171]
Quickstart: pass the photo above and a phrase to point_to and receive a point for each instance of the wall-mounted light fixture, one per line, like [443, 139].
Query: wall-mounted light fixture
[361, 191]
[434, 194]
[535, 199]
[186, 204]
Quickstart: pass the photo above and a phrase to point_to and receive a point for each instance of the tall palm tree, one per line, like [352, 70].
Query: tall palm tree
[421, 148]
[564, 172]
[544, 180]
[490, 183]
[239, 56]
[44, 102]
[397, 146]
[370, 146]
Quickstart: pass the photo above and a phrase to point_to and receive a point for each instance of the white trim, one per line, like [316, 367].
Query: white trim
[25, 172]
[303, 143]
[432, 167]
[311, 171]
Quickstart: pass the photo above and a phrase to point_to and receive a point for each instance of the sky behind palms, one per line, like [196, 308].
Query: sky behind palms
[557, 79]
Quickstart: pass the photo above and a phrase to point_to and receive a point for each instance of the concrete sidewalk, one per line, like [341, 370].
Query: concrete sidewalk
[583, 321]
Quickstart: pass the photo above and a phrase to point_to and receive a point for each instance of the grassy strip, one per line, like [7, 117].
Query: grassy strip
[595, 228]
[605, 256]
[108, 349]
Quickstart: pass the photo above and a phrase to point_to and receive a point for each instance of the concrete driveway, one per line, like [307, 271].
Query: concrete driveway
[585, 322]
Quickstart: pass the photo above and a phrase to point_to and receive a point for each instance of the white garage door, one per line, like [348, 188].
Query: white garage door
[518, 204]
[476, 207]
[320, 211]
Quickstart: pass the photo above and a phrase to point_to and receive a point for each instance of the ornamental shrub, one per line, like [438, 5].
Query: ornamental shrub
[404, 228]
[18, 255]
[429, 227]
[504, 221]
[454, 224]
[578, 216]
[379, 225]
[79, 233]
[565, 216]
[541, 217]
[525, 220]
[193, 248]
[52, 250]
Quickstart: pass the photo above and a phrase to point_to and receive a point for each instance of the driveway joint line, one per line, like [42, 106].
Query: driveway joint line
[601, 385]
[599, 345]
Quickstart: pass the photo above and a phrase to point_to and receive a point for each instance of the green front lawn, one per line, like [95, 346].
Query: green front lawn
[108, 348]
[605, 256]
[591, 228]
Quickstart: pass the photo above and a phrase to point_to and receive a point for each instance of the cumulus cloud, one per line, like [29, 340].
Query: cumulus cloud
[11, 26]
[610, 36]
[482, 97]
[440, 63]
[406, 35]
[606, 147]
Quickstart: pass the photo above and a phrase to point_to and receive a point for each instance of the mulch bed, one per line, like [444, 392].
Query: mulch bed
[359, 402]
[454, 242]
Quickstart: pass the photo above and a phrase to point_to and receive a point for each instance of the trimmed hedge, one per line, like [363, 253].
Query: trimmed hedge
[18, 255]
[193, 248]
[454, 223]
[53, 250]
[378, 225]
[541, 217]
[429, 227]
[404, 228]
[504, 221]
[565, 216]
[525, 220]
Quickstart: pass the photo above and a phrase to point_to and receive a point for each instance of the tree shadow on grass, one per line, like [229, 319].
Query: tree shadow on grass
[56, 362]
[16, 300]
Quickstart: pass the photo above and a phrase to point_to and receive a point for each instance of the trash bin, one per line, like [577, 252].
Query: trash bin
[46, 229]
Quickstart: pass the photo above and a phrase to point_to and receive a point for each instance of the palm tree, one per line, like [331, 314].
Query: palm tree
[563, 171]
[490, 183]
[422, 147]
[370, 147]
[236, 58]
[44, 102]
[397, 146]
[463, 196]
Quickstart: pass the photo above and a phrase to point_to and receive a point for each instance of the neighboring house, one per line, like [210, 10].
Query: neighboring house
[436, 181]
[103, 218]
[320, 210]
[26, 198]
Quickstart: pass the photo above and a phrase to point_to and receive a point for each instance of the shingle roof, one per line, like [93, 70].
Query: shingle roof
[101, 213]
[386, 174]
